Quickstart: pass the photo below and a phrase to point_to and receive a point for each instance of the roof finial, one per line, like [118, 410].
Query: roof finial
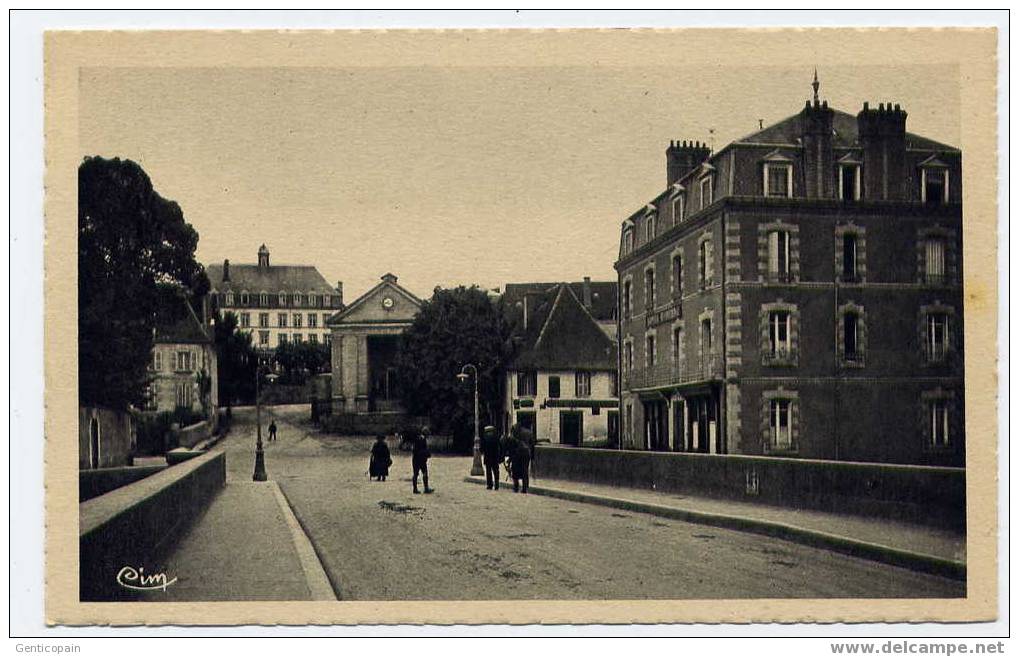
[815, 84]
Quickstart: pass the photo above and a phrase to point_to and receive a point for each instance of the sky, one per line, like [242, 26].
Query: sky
[447, 175]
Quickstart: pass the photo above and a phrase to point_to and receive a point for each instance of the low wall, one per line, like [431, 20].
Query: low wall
[93, 483]
[192, 435]
[368, 424]
[133, 525]
[929, 495]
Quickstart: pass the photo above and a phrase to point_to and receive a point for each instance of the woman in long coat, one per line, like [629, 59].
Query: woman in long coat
[378, 466]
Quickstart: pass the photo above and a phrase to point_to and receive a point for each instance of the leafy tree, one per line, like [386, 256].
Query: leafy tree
[236, 361]
[130, 240]
[455, 327]
[299, 360]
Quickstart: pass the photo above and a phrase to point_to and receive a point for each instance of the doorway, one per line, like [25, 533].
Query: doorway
[656, 428]
[571, 427]
[93, 443]
[613, 427]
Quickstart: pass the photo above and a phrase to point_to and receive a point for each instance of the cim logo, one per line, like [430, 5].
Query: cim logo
[136, 579]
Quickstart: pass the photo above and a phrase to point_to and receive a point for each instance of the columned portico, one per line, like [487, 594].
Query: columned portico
[365, 340]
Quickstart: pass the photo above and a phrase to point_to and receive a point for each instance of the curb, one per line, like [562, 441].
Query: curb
[917, 561]
[314, 573]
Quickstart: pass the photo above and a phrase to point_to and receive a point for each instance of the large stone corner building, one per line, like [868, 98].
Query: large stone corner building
[799, 293]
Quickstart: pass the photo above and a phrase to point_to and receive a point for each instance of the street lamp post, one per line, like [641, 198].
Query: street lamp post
[259, 474]
[476, 468]
[259, 453]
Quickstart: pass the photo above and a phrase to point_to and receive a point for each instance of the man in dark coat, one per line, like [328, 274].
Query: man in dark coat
[520, 465]
[419, 459]
[272, 430]
[491, 452]
[380, 461]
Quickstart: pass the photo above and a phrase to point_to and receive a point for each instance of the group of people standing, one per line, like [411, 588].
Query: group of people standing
[381, 459]
[515, 450]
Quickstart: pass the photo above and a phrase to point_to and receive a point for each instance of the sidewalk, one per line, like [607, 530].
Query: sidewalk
[247, 545]
[918, 547]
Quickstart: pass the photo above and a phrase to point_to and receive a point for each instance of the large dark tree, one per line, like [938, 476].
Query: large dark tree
[236, 361]
[130, 240]
[455, 327]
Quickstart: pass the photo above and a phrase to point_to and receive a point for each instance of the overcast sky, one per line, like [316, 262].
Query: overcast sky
[447, 175]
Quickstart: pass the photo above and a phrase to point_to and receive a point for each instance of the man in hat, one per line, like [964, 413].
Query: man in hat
[491, 452]
[419, 456]
[520, 464]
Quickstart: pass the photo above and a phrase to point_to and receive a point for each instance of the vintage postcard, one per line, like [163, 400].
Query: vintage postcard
[520, 326]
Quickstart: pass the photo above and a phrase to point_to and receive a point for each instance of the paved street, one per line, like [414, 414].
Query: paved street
[378, 541]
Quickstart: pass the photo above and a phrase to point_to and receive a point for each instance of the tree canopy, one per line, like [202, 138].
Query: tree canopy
[236, 361]
[455, 327]
[299, 360]
[131, 241]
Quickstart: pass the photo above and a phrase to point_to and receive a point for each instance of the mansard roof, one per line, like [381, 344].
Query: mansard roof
[603, 298]
[845, 134]
[272, 279]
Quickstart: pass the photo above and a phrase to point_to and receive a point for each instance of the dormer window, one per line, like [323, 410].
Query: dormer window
[649, 225]
[778, 179]
[707, 190]
[312, 299]
[934, 184]
[627, 241]
[263, 299]
[297, 298]
[678, 204]
[849, 180]
[229, 298]
[244, 298]
[282, 299]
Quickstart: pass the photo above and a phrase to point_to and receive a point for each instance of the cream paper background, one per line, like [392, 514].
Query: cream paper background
[968, 53]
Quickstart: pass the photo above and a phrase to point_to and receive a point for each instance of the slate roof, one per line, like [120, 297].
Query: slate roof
[846, 134]
[272, 279]
[181, 328]
[563, 335]
[603, 298]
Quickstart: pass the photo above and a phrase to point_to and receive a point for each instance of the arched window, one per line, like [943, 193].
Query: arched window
[283, 298]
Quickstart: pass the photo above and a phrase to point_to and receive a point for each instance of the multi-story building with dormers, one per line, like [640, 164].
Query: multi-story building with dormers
[799, 293]
[275, 303]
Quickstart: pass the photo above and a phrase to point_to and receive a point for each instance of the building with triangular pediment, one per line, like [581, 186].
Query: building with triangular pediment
[365, 340]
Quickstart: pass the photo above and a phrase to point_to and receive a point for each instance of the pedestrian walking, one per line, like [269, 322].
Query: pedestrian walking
[272, 431]
[419, 459]
[378, 465]
[520, 465]
[491, 451]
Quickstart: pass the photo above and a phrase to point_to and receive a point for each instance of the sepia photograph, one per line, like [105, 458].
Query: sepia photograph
[522, 319]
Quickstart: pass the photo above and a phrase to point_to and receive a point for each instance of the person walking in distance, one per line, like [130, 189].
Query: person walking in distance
[491, 452]
[419, 459]
[378, 466]
[272, 431]
[520, 464]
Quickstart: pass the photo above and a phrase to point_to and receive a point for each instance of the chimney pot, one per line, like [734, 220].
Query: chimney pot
[587, 291]
[339, 292]
[226, 270]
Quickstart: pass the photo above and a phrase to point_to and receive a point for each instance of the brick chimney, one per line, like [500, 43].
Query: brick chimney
[339, 293]
[882, 134]
[683, 157]
[263, 257]
[226, 271]
[818, 156]
[587, 292]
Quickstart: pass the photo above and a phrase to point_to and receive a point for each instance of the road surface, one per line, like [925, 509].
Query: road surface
[379, 541]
